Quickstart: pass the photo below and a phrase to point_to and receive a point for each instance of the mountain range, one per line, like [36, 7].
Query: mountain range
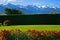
[30, 9]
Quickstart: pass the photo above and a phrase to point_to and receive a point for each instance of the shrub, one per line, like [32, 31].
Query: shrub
[6, 22]
[29, 35]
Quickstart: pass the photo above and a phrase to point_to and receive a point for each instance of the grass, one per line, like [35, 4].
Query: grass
[33, 27]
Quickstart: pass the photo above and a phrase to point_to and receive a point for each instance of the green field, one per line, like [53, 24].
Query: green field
[33, 27]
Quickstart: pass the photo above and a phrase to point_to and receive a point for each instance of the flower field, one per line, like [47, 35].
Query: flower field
[30, 32]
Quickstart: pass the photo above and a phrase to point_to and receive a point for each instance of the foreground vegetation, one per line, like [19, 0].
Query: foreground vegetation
[29, 35]
[30, 32]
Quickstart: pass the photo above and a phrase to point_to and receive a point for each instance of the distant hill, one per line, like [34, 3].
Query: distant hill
[2, 8]
[30, 9]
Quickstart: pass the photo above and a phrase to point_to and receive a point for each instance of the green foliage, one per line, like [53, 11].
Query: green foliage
[12, 11]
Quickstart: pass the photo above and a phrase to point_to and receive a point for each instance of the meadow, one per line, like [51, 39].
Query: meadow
[32, 27]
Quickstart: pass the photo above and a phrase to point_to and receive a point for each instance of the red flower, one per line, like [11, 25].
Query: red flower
[33, 31]
[42, 32]
[0, 32]
[3, 38]
[18, 30]
[11, 31]
[53, 32]
[4, 31]
[28, 30]
[33, 36]
[58, 32]
[37, 32]
[47, 32]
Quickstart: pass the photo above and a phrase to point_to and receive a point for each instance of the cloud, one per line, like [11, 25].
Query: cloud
[11, 0]
[0, 1]
[6, 1]
[36, 3]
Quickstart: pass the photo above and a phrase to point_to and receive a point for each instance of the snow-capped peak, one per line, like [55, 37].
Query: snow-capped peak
[44, 6]
[39, 6]
[53, 7]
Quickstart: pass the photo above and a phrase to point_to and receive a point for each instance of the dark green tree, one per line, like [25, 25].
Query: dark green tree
[9, 11]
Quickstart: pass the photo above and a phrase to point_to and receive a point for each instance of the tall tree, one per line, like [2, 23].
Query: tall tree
[12, 11]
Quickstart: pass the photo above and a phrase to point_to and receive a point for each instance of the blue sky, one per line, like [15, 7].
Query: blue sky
[55, 3]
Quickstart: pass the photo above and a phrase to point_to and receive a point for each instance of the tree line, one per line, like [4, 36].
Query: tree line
[9, 11]
[17, 19]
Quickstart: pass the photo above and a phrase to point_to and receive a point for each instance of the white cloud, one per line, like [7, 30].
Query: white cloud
[0, 1]
[6, 1]
[36, 3]
[11, 0]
